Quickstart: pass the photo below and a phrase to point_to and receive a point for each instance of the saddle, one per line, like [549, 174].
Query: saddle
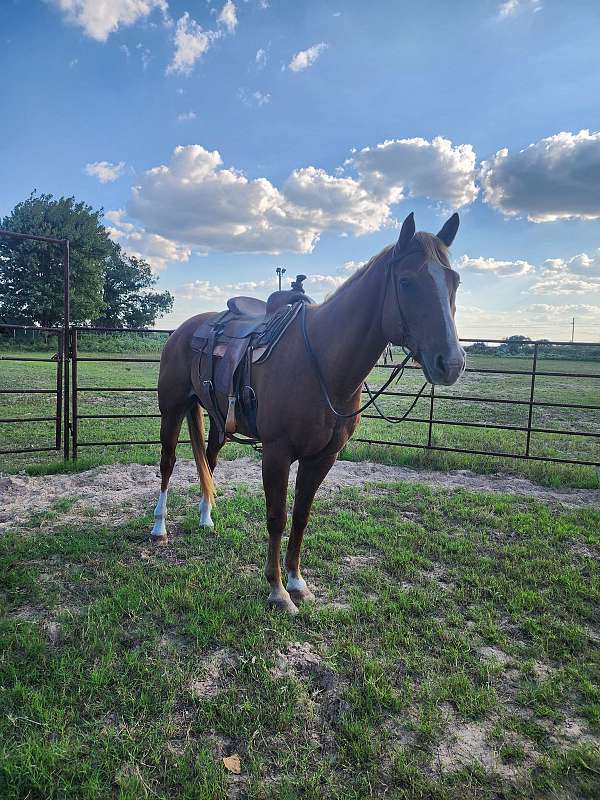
[224, 350]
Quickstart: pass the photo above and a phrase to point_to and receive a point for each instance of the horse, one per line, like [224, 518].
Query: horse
[406, 296]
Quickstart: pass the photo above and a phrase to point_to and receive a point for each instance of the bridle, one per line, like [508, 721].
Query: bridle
[398, 370]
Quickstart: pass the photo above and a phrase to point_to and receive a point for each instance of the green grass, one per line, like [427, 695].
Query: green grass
[516, 387]
[130, 672]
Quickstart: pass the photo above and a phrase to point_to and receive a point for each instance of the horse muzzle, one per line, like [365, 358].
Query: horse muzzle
[443, 369]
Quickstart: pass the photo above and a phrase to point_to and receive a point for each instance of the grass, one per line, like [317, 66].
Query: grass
[452, 653]
[583, 391]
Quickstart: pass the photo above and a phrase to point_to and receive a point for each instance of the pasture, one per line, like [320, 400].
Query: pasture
[452, 651]
[583, 391]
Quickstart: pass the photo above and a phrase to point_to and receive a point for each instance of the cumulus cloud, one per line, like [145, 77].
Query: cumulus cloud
[306, 58]
[191, 42]
[156, 250]
[105, 171]
[511, 8]
[553, 179]
[228, 16]
[196, 200]
[201, 290]
[493, 266]
[577, 275]
[436, 169]
[186, 116]
[99, 19]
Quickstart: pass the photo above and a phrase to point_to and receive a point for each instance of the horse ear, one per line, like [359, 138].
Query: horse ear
[449, 229]
[406, 234]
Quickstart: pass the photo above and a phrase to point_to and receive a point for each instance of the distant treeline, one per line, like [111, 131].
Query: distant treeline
[523, 347]
[125, 342]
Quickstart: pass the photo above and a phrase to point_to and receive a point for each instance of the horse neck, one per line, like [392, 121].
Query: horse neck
[346, 333]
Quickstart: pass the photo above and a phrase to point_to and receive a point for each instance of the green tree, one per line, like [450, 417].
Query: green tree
[31, 273]
[129, 299]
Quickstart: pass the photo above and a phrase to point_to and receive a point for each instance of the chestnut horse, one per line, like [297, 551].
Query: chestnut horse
[406, 296]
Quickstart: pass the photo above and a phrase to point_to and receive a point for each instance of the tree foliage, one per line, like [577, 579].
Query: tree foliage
[108, 287]
[128, 299]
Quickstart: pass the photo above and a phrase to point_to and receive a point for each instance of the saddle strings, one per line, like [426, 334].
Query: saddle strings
[396, 374]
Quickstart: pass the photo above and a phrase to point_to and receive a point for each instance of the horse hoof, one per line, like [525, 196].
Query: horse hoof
[301, 596]
[160, 540]
[282, 602]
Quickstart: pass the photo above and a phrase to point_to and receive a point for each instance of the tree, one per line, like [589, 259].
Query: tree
[108, 287]
[31, 273]
[129, 301]
[514, 345]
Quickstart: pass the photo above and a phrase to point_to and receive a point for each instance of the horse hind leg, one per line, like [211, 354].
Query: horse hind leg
[204, 464]
[170, 426]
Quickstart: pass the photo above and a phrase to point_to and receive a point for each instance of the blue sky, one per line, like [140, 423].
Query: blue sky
[224, 139]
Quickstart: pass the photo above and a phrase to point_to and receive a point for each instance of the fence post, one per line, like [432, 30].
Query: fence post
[531, 396]
[66, 343]
[59, 390]
[431, 398]
[74, 398]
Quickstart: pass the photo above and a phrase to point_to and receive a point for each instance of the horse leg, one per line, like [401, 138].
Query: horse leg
[275, 472]
[212, 453]
[170, 425]
[310, 476]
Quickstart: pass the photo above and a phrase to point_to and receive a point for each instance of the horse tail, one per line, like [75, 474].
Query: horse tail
[195, 421]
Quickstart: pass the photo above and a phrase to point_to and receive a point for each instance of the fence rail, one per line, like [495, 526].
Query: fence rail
[67, 423]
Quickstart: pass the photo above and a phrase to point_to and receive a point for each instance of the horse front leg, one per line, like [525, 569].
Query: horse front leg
[311, 473]
[276, 471]
[170, 426]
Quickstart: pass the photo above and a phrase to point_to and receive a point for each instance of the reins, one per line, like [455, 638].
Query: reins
[396, 374]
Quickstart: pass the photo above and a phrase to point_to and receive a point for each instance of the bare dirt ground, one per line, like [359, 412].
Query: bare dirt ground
[111, 493]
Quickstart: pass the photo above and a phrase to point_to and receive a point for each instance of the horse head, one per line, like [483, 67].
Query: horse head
[420, 300]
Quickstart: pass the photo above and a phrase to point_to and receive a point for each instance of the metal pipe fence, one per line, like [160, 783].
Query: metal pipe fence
[68, 428]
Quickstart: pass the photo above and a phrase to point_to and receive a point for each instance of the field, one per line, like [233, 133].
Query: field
[583, 391]
[452, 652]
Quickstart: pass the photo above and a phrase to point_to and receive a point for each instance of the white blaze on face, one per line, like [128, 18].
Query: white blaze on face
[437, 272]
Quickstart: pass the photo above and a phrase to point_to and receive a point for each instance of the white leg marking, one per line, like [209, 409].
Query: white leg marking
[296, 584]
[160, 514]
[204, 509]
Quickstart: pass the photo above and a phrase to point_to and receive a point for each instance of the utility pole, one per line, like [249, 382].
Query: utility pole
[573, 330]
[280, 271]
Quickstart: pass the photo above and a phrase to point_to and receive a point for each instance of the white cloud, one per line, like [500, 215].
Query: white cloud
[511, 8]
[105, 171]
[553, 179]
[501, 269]
[577, 275]
[256, 98]
[417, 167]
[186, 116]
[261, 58]
[228, 16]
[335, 203]
[201, 290]
[306, 58]
[100, 18]
[156, 250]
[191, 42]
[196, 200]
[125, 50]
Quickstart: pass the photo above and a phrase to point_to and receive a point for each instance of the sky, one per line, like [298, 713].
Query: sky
[224, 139]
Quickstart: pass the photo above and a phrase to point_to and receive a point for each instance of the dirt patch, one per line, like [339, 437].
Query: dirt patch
[214, 674]
[110, 494]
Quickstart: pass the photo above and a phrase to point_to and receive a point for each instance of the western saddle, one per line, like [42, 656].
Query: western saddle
[225, 348]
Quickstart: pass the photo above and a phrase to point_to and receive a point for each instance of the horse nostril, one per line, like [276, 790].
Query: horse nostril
[441, 364]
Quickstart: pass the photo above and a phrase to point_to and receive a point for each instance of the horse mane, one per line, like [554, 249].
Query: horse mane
[434, 249]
